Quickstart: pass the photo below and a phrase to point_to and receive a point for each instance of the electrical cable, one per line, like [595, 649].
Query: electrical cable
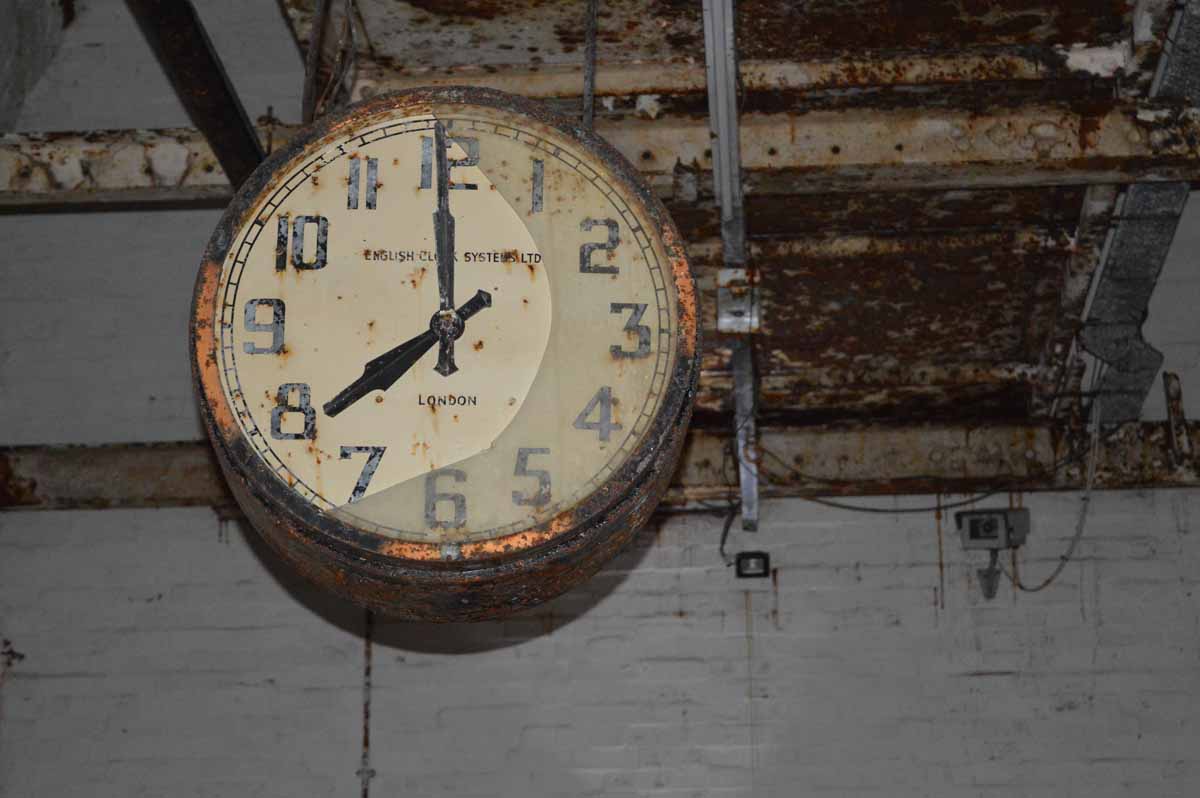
[1080, 524]
[734, 507]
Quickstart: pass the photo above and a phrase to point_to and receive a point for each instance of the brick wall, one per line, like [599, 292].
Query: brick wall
[164, 655]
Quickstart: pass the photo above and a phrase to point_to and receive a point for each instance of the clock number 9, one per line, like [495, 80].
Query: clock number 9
[275, 327]
[585, 251]
[283, 406]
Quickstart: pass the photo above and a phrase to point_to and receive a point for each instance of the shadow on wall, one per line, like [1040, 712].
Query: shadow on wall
[455, 638]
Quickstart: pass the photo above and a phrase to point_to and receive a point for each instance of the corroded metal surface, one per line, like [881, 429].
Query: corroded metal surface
[869, 296]
[104, 477]
[972, 152]
[813, 154]
[446, 33]
[817, 461]
[414, 579]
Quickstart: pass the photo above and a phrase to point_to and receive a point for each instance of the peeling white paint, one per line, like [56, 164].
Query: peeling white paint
[648, 106]
[1153, 114]
[1102, 61]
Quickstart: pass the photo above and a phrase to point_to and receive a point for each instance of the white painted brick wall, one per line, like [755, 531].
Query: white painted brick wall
[162, 658]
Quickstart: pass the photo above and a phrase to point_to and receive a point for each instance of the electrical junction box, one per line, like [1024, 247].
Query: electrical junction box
[993, 529]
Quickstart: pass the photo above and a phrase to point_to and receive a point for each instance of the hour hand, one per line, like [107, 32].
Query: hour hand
[382, 372]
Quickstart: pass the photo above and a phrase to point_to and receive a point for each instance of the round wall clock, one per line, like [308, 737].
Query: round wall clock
[445, 345]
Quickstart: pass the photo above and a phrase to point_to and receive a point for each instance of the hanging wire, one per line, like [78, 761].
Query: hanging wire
[730, 514]
[345, 59]
[1084, 505]
[312, 61]
[589, 64]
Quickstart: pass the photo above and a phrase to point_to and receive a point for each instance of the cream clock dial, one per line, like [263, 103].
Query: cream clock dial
[442, 325]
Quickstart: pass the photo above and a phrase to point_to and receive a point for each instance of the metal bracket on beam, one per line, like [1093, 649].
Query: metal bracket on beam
[1179, 440]
[737, 299]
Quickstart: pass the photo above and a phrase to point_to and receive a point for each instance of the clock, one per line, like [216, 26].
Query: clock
[445, 347]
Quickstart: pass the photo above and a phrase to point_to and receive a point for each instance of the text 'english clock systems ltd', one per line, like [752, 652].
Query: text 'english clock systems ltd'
[445, 345]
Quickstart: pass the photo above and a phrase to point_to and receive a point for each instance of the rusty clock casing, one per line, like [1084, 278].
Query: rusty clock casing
[417, 579]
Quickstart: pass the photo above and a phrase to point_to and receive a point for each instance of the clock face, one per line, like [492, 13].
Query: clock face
[445, 323]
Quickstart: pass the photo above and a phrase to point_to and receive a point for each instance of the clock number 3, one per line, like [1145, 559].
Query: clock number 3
[374, 455]
[283, 406]
[637, 310]
[602, 403]
[433, 497]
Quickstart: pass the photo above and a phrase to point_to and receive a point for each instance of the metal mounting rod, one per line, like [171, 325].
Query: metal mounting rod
[737, 306]
[589, 63]
[177, 36]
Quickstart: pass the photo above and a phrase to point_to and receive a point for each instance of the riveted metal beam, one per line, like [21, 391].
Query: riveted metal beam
[814, 153]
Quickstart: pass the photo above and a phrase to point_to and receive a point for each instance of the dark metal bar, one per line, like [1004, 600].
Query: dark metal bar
[175, 33]
[800, 461]
[589, 63]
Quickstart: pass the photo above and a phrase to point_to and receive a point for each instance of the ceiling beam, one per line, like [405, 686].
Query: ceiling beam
[818, 152]
[873, 460]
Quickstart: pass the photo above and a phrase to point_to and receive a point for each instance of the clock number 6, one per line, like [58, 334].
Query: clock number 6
[543, 478]
[374, 455]
[585, 251]
[433, 498]
[283, 406]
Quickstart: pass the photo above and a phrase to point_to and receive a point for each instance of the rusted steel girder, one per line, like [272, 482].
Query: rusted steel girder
[794, 462]
[814, 153]
[644, 84]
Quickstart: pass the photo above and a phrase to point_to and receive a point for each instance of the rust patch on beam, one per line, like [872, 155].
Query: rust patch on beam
[435, 36]
[631, 81]
[102, 477]
[770, 216]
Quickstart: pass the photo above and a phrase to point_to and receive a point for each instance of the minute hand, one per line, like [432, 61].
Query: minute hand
[443, 222]
[382, 372]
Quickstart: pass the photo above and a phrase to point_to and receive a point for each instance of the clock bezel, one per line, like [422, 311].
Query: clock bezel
[366, 566]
